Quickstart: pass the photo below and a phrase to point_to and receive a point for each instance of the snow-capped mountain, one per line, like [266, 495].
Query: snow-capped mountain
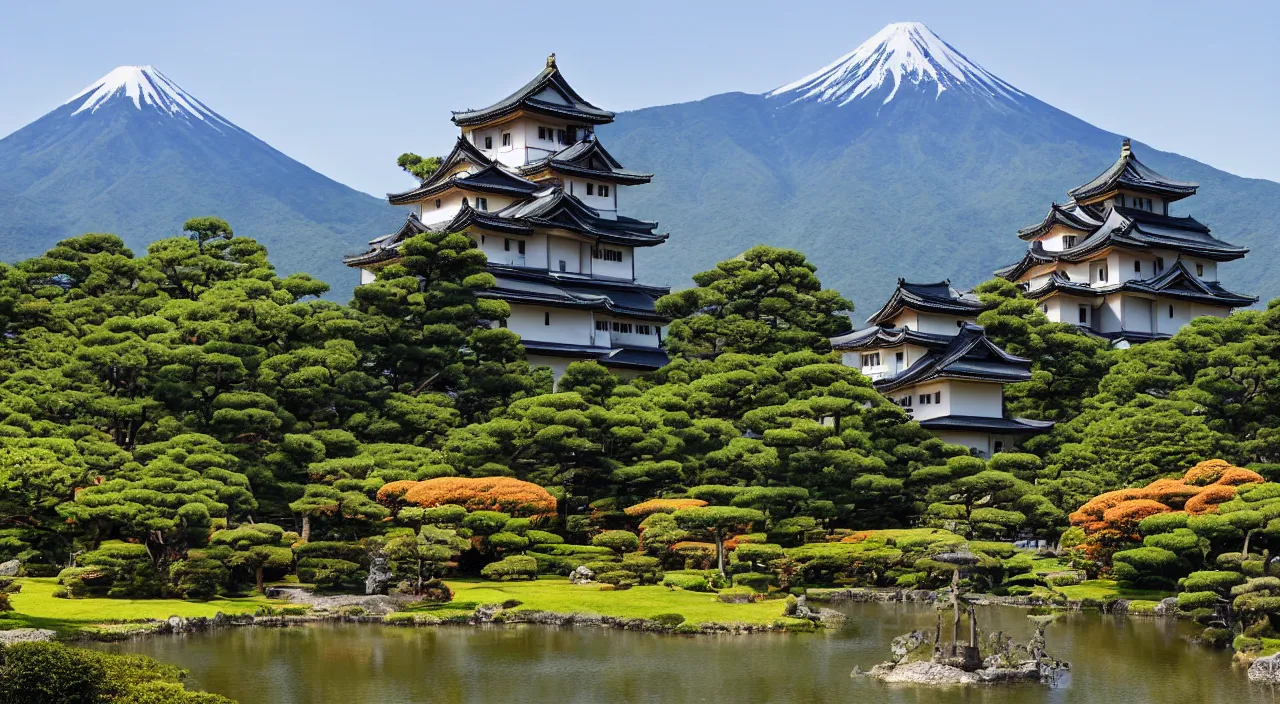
[902, 52]
[148, 89]
[135, 154]
[904, 157]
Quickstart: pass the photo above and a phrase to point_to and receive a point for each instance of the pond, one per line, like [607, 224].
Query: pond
[1115, 660]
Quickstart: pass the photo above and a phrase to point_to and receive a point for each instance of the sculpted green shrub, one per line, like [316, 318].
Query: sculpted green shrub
[1163, 523]
[687, 581]
[504, 541]
[542, 537]
[330, 573]
[618, 578]
[757, 581]
[198, 576]
[511, 567]
[647, 570]
[1212, 580]
[619, 541]
[1190, 601]
[1147, 567]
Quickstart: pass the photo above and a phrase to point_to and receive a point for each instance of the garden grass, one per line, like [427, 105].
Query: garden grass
[557, 595]
[36, 607]
[1103, 589]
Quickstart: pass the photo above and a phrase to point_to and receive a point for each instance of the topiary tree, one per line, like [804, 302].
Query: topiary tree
[619, 541]
[505, 494]
[717, 522]
[426, 556]
[511, 567]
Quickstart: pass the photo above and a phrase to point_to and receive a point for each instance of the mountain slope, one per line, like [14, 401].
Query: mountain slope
[136, 155]
[902, 158]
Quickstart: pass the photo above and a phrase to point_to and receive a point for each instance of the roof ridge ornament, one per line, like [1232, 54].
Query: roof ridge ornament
[551, 60]
[1125, 148]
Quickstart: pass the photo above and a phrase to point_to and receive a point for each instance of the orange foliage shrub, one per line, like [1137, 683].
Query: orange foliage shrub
[1206, 472]
[1170, 492]
[856, 537]
[1125, 516]
[395, 490]
[1235, 476]
[1208, 499]
[475, 494]
[1090, 516]
[1200, 490]
[644, 508]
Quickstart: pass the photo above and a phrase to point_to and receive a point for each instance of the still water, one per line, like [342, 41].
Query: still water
[1114, 661]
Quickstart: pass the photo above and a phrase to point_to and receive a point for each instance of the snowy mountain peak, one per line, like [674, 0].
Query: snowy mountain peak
[146, 87]
[902, 51]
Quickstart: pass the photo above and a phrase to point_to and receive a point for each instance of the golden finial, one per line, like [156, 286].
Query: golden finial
[1125, 149]
[551, 61]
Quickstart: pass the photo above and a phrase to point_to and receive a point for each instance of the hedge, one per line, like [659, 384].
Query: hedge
[514, 566]
[688, 581]
[1211, 580]
[1189, 601]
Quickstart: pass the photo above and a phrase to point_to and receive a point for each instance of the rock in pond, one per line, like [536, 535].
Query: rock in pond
[1266, 669]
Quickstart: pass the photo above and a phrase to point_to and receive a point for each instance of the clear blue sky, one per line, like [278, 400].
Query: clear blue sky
[347, 86]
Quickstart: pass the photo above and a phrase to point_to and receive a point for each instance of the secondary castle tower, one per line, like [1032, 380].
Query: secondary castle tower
[530, 183]
[1115, 262]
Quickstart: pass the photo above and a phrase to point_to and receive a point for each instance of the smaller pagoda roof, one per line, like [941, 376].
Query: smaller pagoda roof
[879, 337]
[620, 357]
[970, 357]
[937, 297]
[1131, 174]
[1071, 215]
[554, 208]
[1131, 228]
[387, 247]
[1177, 282]
[492, 179]
[589, 159]
[547, 94]
[1012, 426]
[625, 299]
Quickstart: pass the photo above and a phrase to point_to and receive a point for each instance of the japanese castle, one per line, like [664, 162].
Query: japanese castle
[925, 351]
[1115, 262]
[539, 194]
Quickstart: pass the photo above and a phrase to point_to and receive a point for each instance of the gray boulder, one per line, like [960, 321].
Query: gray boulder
[581, 575]
[10, 568]
[1266, 669]
[380, 576]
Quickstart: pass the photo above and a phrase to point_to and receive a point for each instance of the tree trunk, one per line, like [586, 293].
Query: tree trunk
[973, 627]
[258, 579]
[418, 590]
[1244, 554]
[720, 553]
[306, 528]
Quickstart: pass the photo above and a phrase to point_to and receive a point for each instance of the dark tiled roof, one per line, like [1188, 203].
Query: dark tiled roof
[1132, 174]
[547, 94]
[388, 246]
[988, 425]
[587, 158]
[929, 298]
[553, 208]
[463, 152]
[1133, 229]
[876, 337]
[621, 357]
[1071, 215]
[489, 179]
[970, 356]
[1176, 282]
[540, 287]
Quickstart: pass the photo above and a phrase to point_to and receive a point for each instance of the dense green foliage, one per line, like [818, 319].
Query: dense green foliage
[52, 673]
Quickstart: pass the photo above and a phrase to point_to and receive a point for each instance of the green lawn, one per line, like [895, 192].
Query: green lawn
[557, 595]
[36, 607]
[1100, 589]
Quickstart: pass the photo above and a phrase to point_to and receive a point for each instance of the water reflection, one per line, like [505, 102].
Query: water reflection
[1114, 660]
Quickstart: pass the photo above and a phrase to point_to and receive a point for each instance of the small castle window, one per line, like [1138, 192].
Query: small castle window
[546, 318]
[591, 189]
[488, 142]
[506, 139]
[1068, 241]
[1137, 266]
[604, 191]
[1199, 269]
